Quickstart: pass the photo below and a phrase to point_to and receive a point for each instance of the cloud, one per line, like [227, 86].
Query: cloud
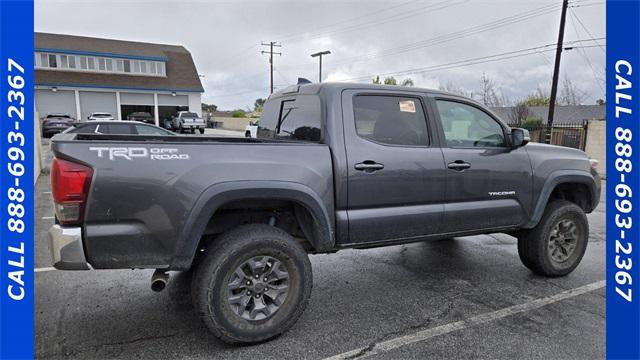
[365, 38]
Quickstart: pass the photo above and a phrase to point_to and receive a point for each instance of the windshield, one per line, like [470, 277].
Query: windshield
[101, 115]
[50, 116]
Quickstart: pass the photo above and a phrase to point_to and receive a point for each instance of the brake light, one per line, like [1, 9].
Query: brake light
[69, 186]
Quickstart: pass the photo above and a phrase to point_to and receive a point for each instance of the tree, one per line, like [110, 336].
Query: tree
[452, 88]
[569, 93]
[491, 95]
[209, 107]
[519, 113]
[392, 81]
[259, 104]
[239, 113]
[540, 97]
[407, 82]
[601, 102]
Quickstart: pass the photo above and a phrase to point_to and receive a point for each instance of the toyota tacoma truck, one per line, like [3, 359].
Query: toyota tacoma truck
[334, 166]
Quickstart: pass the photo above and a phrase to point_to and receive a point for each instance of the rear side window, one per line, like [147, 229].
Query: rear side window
[122, 129]
[85, 129]
[392, 120]
[297, 118]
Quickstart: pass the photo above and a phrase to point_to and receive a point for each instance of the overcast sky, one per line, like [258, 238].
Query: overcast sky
[427, 41]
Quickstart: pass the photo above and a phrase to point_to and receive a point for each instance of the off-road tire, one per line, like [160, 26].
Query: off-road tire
[209, 284]
[533, 244]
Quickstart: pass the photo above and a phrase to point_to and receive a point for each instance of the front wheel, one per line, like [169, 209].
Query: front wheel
[253, 284]
[557, 244]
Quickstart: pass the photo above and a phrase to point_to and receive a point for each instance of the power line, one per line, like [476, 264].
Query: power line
[512, 19]
[585, 28]
[471, 61]
[350, 20]
[583, 53]
[400, 16]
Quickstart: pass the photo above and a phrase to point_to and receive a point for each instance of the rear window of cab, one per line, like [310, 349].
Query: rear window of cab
[291, 118]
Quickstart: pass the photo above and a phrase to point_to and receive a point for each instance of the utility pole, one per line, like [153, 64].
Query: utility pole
[556, 72]
[271, 45]
[319, 54]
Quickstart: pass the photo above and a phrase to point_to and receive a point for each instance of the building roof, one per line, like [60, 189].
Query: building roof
[180, 68]
[563, 114]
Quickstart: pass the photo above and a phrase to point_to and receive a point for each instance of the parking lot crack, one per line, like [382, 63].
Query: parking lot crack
[423, 324]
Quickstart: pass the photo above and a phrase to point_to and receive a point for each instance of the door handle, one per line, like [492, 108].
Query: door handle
[458, 165]
[368, 166]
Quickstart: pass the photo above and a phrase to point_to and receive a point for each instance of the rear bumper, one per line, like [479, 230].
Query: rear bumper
[67, 252]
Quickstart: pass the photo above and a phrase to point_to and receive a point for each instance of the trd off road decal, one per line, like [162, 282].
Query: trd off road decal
[131, 153]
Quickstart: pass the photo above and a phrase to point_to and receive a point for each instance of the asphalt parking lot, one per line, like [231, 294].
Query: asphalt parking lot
[460, 298]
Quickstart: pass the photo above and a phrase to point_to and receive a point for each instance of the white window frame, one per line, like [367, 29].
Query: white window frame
[111, 65]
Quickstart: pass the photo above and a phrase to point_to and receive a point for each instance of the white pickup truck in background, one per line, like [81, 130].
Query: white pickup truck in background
[188, 121]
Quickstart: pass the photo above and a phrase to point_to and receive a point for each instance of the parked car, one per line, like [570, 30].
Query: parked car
[334, 166]
[142, 116]
[112, 127]
[100, 116]
[251, 131]
[186, 121]
[56, 123]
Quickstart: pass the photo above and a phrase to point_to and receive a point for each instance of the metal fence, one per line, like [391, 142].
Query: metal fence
[570, 135]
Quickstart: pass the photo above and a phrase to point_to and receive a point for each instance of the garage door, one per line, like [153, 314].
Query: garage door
[61, 101]
[94, 101]
[136, 99]
[178, 100]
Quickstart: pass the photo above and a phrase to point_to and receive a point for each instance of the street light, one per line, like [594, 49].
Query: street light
[319, 54]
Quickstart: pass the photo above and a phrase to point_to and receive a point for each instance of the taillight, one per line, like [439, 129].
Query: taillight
[69, 186]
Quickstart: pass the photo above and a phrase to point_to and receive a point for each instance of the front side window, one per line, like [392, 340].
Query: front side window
[297, 118]
[467, 126]
[390, 120]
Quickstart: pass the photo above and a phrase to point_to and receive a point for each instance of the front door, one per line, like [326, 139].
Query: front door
[488, 183]
[395, 175]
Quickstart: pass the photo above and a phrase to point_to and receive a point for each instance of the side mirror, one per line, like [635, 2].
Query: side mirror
[519, 137]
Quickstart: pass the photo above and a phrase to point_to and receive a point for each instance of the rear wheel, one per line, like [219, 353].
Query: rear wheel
[557, 244]
[247, 134]
[253, 284]
[201, 131]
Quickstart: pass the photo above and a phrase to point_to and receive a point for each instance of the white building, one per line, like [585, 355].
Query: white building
[79, 75]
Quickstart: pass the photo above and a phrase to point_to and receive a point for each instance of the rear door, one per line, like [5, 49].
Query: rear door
[488, 183]
[395, 171]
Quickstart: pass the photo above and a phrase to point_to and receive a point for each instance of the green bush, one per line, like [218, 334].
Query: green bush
[532, 122]
[238, 114]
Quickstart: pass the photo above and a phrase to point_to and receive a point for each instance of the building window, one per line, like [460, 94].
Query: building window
[101, 64]
[53, 61]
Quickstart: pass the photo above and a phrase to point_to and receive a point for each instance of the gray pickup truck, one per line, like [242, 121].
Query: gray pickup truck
[334, 166]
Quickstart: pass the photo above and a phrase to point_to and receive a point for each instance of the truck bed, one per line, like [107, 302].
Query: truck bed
[145, 191]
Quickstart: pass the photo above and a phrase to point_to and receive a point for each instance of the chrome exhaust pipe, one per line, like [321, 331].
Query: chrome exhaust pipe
[159, 280]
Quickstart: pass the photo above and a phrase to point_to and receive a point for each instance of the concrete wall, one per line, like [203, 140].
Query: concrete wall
[596, 143]
[234, 123]
[37, 148]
